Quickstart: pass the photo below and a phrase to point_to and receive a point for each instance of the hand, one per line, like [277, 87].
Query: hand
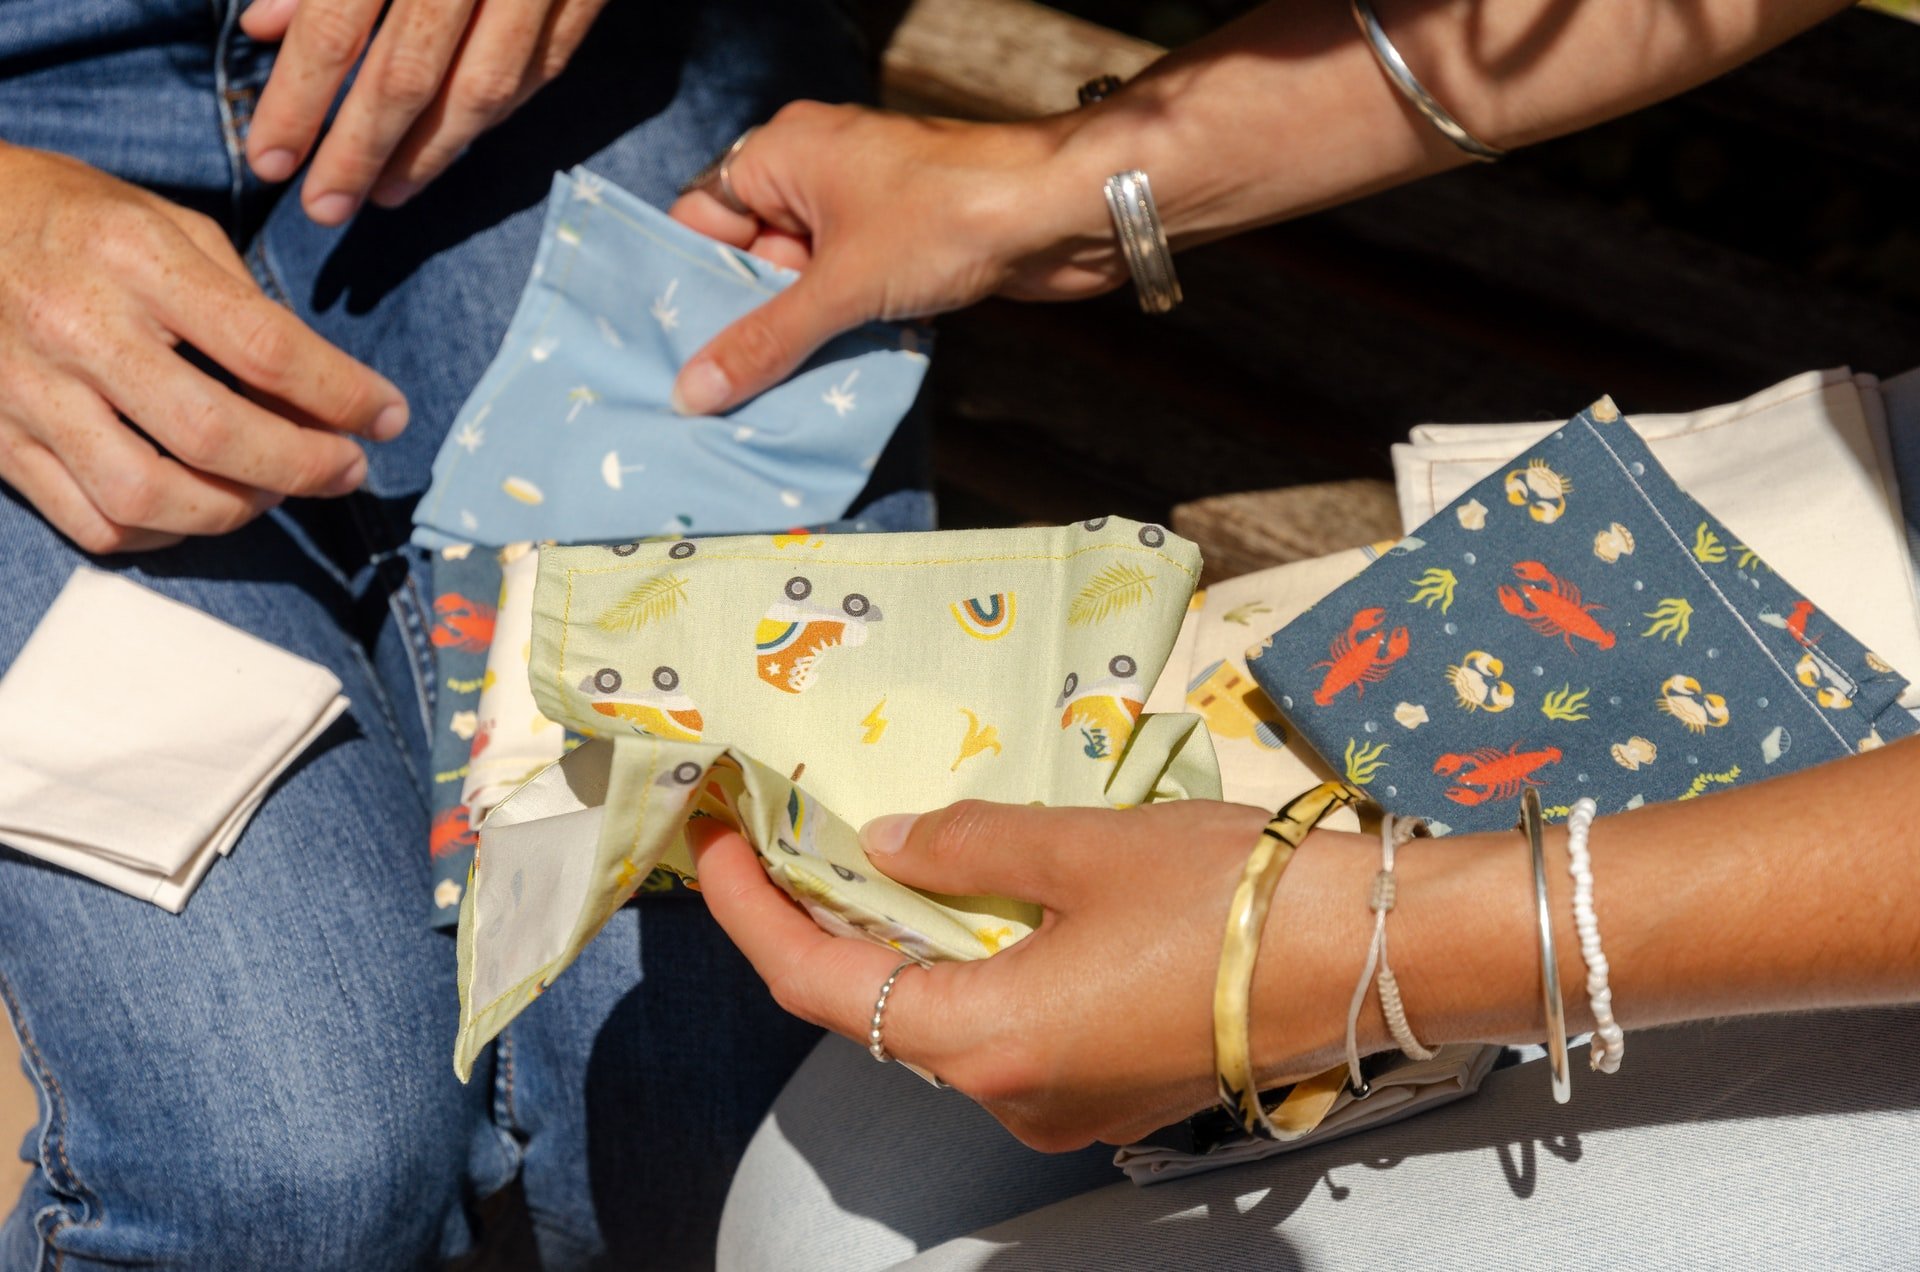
[439, 73]
[101, 284]
[1098, 1026]
[890, 216]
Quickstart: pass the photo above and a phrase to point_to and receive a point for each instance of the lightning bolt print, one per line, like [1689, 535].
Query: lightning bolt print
[875, 723]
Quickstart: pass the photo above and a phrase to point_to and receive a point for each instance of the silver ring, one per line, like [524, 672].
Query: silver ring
[1400, 75]
[717, 176]
[1143, 240]
[876, 1046]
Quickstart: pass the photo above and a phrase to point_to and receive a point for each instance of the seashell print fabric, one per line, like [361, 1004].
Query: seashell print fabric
[1577, 623]
[569, 436]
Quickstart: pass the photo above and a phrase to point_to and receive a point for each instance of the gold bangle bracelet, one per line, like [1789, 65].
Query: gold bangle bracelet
[1246, 920]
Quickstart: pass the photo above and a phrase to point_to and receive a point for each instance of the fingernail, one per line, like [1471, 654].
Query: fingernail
[267, 11]
[331, 209]
[389, 423]
[702, 389]
[391, 194]
[885, 836]
[349, 481]
[276, 164]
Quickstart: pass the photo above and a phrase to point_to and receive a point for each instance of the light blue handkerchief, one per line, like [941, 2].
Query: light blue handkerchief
[569, 435]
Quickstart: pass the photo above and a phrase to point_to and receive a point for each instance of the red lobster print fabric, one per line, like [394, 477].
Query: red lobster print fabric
[1575, 623]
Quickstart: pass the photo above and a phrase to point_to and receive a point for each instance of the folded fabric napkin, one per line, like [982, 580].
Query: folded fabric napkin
[138, 735]
[1262, 761]
[512, 740]
[796, 686]
[1822, 436]
[466, 591]
[569, 436]
[1580, 624]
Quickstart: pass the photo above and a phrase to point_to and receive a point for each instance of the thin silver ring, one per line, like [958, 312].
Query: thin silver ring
[1532, 821]
[1401, 76]
[876, 1044]
[717, 177]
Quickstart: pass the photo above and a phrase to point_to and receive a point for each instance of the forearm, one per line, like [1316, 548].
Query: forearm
[1285, 110]
[1790, 894]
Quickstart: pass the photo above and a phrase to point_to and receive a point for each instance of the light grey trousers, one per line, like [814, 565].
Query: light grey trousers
[1790, 1142]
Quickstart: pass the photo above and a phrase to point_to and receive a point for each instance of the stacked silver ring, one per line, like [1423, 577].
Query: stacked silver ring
[1143, 241]
[876, 1047]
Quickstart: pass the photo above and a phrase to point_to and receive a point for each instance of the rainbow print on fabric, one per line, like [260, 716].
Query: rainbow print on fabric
[985, 618]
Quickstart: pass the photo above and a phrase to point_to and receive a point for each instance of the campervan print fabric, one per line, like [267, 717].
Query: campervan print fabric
[569, 436]
[798, 685]
[1576, 623]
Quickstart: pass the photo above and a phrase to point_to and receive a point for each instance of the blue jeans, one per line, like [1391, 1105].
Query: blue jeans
[264, 1080]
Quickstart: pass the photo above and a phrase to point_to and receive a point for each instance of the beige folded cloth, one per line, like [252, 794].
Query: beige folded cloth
[1801, 471]
[138, 735]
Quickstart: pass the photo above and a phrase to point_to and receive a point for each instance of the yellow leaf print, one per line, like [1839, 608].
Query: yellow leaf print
[1566, 704]
[651, 601]
[1707, 548]
[1116, 588]
[1364, 762]
[1436, 584]
[1671, 617]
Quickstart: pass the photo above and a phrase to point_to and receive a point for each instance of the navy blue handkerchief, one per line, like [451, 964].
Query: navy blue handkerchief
[1579, 624]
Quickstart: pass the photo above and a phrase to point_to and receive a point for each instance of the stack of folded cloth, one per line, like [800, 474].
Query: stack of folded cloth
[138, 735]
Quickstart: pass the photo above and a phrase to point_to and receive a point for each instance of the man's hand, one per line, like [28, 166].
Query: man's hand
[438, 74]
[101, 284]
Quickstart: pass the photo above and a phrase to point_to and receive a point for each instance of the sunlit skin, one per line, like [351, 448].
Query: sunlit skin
[1782, 896]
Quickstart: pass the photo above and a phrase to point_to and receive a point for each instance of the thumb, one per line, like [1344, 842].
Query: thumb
[766, 346]
[975, 848]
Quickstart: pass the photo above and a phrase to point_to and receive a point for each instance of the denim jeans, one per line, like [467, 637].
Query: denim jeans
[264, 1080]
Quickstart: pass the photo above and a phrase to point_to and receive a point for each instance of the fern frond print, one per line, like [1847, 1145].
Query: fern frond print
[651, 601]
[1116, 588]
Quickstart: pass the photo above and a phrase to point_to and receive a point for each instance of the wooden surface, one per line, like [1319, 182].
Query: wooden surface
[1252, 530]
[998, 59]
[18, 1113]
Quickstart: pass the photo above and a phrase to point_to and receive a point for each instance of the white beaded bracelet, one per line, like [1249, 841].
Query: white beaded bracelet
[1609, 1044]
[1394, 833]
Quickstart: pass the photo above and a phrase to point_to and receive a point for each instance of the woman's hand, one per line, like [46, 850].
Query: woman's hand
[1098, 1026]
[438, 74]
[890, 216]
[101, 284]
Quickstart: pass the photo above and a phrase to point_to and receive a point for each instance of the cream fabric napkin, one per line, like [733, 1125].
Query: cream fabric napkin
[1802, 472]
[138, 735]
[513, 741]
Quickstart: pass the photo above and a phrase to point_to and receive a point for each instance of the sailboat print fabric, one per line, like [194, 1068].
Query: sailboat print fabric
[569, 436]
[1577, 623]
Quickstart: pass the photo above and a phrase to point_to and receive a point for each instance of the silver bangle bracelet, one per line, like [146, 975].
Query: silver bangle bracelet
[1143, 241]
[1402, 78]
[1532, 825]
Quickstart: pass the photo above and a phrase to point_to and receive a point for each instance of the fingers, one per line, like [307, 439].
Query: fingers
[266, 20]
[36, 473]
[829, 980]
[401, 77]
[279, 357]
[976, 848]
[212, 429]
[323, 40]
[701, 210]
[766, 346]
[491, 76]
[132, 484]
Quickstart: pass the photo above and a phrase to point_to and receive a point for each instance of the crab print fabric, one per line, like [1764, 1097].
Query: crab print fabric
[798, 685]
[570, 437]
[1577, 623]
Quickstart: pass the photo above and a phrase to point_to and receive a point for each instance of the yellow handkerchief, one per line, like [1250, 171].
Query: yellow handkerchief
[796, 686]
